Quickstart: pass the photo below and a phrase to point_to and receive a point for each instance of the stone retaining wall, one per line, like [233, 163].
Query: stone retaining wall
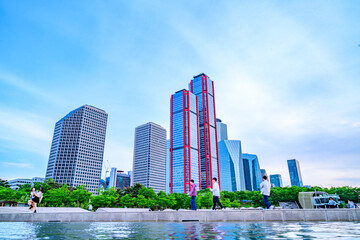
[183, 216]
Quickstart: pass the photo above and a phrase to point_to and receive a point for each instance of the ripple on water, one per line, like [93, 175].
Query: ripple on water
[188, 230]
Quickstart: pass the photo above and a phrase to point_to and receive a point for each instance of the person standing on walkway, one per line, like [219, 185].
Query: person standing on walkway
[265, 191]
[216, 194]
[192, 194]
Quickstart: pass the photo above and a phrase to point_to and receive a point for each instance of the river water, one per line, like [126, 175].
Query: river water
[186, 230]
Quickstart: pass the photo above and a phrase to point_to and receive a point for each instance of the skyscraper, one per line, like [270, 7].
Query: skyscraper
[150, 156]
[295, 173]
[276, 180]
[231, 166]
[222, 133]
[252, 172]
[77, 148]
[119, 179]
[184, 141]
[203, 88]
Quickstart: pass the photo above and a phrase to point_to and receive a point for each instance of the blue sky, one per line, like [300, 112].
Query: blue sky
[286, 77]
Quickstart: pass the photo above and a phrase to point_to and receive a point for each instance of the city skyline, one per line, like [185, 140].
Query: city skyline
[286, 84]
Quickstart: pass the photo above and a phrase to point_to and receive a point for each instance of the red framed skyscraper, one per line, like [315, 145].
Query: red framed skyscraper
[203, 87]
[184, 142]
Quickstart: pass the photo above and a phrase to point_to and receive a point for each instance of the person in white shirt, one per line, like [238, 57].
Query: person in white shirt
[216, 194]
[265, 191]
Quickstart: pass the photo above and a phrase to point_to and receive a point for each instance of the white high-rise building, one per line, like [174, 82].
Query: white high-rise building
[150, 156]
[77, 148]
[222, 133]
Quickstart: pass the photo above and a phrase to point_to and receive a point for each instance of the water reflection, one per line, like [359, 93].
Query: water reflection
[188, 230]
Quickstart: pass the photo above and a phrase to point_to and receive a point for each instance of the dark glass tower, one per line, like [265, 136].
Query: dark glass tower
[203, 88]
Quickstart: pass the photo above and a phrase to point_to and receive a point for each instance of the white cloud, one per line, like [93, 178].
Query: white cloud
[17, 165]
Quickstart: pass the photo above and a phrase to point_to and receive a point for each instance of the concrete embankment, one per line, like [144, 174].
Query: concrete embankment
[143, 215]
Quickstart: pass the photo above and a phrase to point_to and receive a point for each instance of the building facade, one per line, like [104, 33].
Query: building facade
[252, 173]
[203, 87]
[150, 156]
[222, 133]
[77, 148]
[295, 173]
[275, 180]
[231, 166]
[263, 172]
[119, 179]
[184, 142]
[167, 178]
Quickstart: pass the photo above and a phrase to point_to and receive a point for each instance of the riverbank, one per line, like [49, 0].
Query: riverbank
[18, 214]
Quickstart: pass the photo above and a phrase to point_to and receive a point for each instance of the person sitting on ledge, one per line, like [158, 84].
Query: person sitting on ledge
[332, 203]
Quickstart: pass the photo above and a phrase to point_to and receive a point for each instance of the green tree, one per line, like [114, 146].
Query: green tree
[141, 201]
[106, 198]
[4, 183]
[7, 194]
[57, 197]
[128, 201]
[80, 197]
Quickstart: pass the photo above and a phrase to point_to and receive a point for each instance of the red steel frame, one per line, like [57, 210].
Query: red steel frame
[186, 110]
[206, 124]
[171, 145]
[198, 133]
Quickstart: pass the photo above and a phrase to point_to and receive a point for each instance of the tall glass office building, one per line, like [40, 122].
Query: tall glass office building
[231, 166]
[77, 148]
[252, 172]
[295, 173]
[150, 156]
[203, 88]
[184, 141]
[275, 179]
[222, 133]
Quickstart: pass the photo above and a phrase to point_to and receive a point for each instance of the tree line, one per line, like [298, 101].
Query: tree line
[138, 196]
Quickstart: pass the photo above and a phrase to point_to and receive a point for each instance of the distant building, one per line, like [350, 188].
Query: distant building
[222, 133]
[203, 87]
[119, 179]
[295, 173]
[150, 156]
[16, 183]
[252, 172]
[263, 172]
[275, 179]
[184, 142]
[102, 184]
[231, 165]
[38, 179]
[77, 148]
[130, 173]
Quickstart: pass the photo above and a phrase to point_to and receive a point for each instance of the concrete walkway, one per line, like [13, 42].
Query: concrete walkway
[16, 214]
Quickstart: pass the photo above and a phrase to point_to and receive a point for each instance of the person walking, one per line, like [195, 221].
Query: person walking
[192, 194]
[216, 194]
[265, 191]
